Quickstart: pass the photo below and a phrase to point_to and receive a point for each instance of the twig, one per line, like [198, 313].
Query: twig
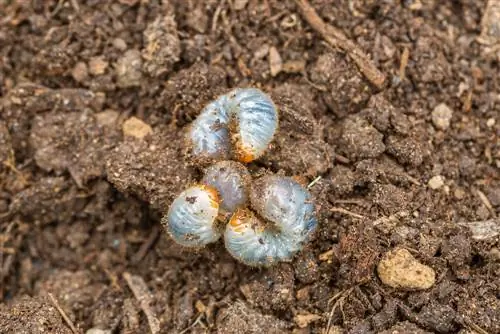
[141, 253]
[336, 38]
[347, 212]
[196, 321]
[313, 182]
[63, 314]
[142, 294]
[341, 158]
[486, 202]
[339, 297]
[405, 56]
[216, 15]
[412, 180]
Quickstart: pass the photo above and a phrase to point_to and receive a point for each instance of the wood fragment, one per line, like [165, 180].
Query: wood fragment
[405, 56]
[146, 246]
[486, 202]
[142, 294]
[337, 38]
[347, 212]
[341, 159]
[313, 182]
[275, 62]
[63, 314]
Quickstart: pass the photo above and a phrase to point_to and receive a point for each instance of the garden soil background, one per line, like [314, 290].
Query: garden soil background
[95, 98]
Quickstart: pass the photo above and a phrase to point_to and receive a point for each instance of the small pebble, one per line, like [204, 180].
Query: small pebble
[436, 182]
[441, 116]
[120, 44]
[134, 127]
[275, 62]
[80, 72]
[97, 65]
[129, 69]
[400, 270]
[98, 331]
[303, 320]
[490, 122]
[494, 254]
[459, 193]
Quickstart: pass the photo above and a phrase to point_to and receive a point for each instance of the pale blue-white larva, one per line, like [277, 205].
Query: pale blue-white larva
[240, 124]
[192, 218]
[290, 220]
[232, 182]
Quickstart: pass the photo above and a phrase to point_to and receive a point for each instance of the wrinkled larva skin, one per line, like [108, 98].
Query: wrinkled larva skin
[208, 135]
[240, 124]
[289, 212]
[232, 182]
[192, 218]
[256, 121]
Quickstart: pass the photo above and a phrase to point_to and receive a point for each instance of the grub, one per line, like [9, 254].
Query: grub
[80, 203]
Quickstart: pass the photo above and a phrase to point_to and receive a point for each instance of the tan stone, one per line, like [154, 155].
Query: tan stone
[134, 127]
[400, 270]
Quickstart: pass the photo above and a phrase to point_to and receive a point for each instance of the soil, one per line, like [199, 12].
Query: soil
[81, 202]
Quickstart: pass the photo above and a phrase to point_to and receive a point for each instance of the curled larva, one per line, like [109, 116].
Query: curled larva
[208, 135]
[240, 125]
[192, 218]
[254, 120]
[290, 220]
[232, 182]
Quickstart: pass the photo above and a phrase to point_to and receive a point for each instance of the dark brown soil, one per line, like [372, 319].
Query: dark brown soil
[81, 202]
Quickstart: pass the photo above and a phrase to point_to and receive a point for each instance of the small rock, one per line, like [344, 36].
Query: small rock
[134, 127]
[490, 122]
[128, 69]
[303, 320]
[484, 230]
[459, 193]
[400, 270]
[494, 254]
[80, 72]
[275, 62]
[239, 4]
[120, 44]
[441, 116]
[97, 65]
[436, 182]
[98, 331]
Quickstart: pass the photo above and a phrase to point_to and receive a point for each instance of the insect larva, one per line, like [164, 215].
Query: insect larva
[192, 218]
[290, 220]
[240, 125]
[232, 182]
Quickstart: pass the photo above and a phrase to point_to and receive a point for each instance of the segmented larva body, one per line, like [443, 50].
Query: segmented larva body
[232, 182]
[192, 218]
[240, 124]
[195, 216]
[290, 220]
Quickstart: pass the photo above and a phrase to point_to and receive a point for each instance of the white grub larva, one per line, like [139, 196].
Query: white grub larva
[290, 220]
[208, 135]
[254, 122]
[192, 218]
[232, 182]
[240, 124]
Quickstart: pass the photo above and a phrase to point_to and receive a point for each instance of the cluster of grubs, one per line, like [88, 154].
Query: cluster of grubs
[264, 220]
